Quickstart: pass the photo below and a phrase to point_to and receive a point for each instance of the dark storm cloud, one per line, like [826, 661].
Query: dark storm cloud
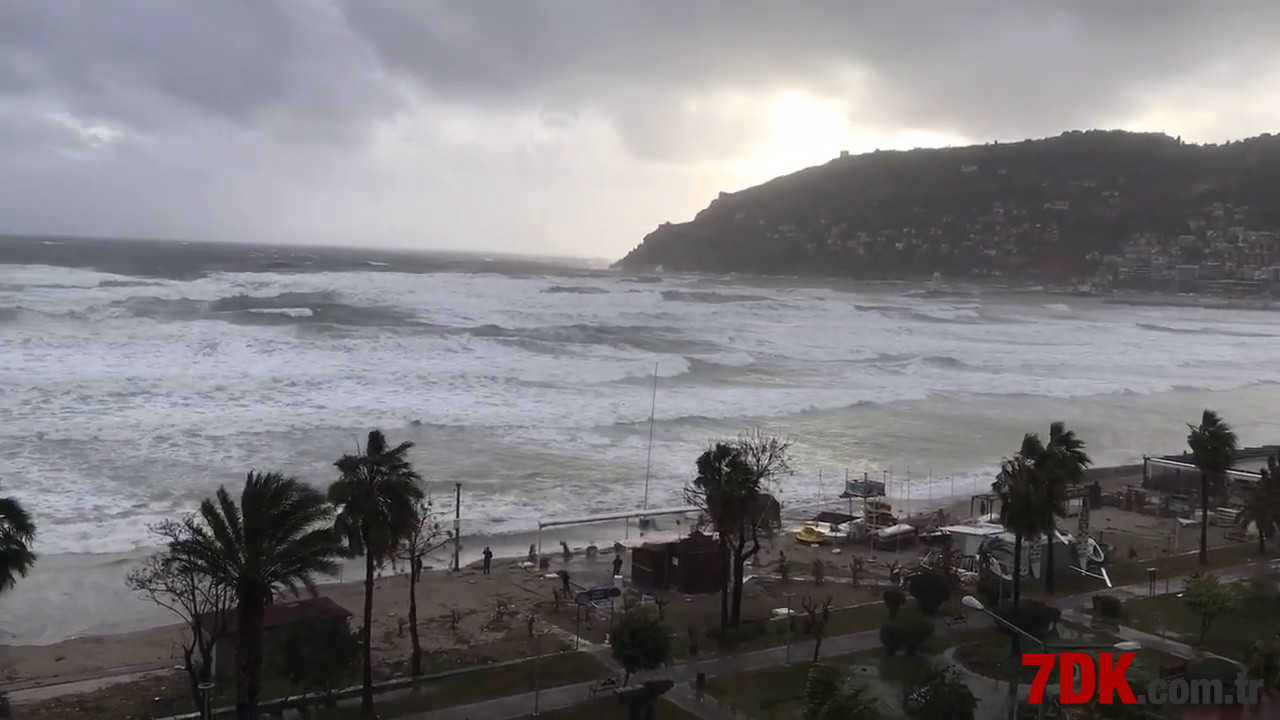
[149, 64]
[975, 68]
[327, 67]
[401, 120]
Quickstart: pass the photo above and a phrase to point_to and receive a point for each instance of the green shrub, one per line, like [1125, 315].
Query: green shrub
[906, 634]
[930, 590]
[989, 591]
[915, 631]
[640, 642]
[1212, 668]
[734, 636]
[894, 599]
[1107, 606]
[891, 638]
[1032, 617]
[942, 695]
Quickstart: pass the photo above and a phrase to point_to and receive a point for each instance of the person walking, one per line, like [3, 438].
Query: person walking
[488, 559]
[617, 565]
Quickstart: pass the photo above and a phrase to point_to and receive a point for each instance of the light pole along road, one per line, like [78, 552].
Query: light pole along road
[974, 603]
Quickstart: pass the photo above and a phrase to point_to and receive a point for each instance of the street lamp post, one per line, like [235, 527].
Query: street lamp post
[537, 656]
[789, 622]
[206, 690]
[974, 603]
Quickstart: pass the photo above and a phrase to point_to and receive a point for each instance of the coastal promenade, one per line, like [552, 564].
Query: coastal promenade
[521, 706]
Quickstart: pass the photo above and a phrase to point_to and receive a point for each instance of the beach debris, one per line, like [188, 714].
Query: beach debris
[619, 548]
[529, 620]
[556, 599]
[500, 609]
[455, 617]
[592, 551]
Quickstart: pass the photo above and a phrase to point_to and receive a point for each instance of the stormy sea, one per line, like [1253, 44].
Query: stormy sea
[138, 376]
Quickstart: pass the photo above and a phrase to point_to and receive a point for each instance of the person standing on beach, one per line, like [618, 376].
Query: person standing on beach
[488, 559]
[617, 565]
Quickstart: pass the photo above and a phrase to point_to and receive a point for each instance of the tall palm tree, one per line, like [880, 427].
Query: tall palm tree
[1028, 504]
[279, 537]
[1062, 463]
[830, 694]
[725, 489]
[1213, 447]
[1262, 506]
[17, 532]
[377, 498]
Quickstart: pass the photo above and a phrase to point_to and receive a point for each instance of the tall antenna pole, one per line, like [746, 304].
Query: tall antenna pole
[648, 459]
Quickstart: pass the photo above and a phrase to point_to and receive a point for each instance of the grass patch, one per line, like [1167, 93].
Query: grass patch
[610, 708]
[1254, 617]
[485, 684]
[778, 693]
[847, 621]
[1130, 572]
[772, 694]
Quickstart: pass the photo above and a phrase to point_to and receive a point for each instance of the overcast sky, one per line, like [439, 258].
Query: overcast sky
[556, 126]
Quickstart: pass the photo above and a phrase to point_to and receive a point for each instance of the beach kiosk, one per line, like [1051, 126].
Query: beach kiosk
[279, 616]
[692, 566]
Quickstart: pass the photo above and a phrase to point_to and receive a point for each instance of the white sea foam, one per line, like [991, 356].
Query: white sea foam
[287, 312]
[130, 398]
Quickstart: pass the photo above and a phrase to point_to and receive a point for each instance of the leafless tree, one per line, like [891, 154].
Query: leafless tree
[817, 620]
[203, 604]
[425, 537]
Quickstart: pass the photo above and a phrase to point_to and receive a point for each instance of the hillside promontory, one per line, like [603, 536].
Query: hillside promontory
[1057, 208]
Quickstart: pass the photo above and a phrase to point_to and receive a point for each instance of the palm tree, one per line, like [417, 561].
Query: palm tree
[1262, 506]
[830, 694]
[1213, 449]
[17, 532]
[1062, 462]
[278, 537]
[377, 499]
[725, 490]
[1028, 505]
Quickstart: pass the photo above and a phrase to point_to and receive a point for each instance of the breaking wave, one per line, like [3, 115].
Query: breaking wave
[704, 296]
[576, 290]
[1206, 330]
[283, 309]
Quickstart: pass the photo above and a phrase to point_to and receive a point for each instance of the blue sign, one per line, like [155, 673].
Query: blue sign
[595, 595]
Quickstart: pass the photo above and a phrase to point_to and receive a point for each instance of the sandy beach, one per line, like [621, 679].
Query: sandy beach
[491, 609]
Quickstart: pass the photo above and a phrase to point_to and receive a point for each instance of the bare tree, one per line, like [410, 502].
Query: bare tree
[817, 620]
[731, 490]
[203, 604]
[425, 537]
[768, 456]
